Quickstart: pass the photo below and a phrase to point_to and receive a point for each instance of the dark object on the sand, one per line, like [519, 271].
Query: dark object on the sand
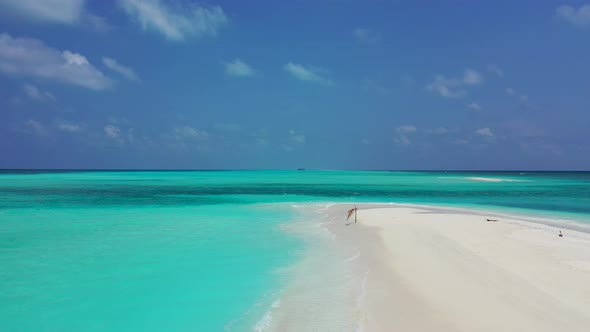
[491, 219]
[350, 212]
[560, 235]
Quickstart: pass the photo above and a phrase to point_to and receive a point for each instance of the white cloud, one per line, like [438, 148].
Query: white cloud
[261, 141]
[112, 131]
[118, 120]
[31, 57]
[115, 66]
[440, 131]
[484, 132]
[36, 126]
[261, 138]
[54, 11]
[122, 135]
[176, 22]
[474, 106]
[522, 98]
[471, 77]
[35, 94]
[454, 87]
[297, 137]
[295, 140]
[407, 129]
[71, 127]
[303, 73]
[446, 87]
[496, 70]
[403, 132]
[461, 141]
[238, 68]
[579, 17]
[98, 23]
[365, 35]
[186, 132]
[51, 11]
[402, 140]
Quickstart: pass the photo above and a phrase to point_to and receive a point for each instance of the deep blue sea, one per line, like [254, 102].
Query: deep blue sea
[203, 250]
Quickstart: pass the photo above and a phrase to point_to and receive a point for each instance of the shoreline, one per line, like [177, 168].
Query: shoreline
[424, 268]
[521, 215]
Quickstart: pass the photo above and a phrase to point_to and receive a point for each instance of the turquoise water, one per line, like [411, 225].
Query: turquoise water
[193, 251]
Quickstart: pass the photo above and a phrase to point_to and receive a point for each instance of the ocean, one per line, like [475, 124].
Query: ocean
[205, 250]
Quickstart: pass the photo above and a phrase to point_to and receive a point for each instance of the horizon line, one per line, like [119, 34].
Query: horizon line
[284, 169]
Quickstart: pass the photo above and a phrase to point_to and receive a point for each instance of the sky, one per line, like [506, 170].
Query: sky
[322, 84]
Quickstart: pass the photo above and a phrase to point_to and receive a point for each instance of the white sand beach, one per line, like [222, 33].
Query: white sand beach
[431, 269]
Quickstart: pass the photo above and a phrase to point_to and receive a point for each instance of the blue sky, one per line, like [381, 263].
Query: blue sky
[331, 84]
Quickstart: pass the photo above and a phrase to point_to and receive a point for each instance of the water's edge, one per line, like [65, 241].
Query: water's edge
[331, 274]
